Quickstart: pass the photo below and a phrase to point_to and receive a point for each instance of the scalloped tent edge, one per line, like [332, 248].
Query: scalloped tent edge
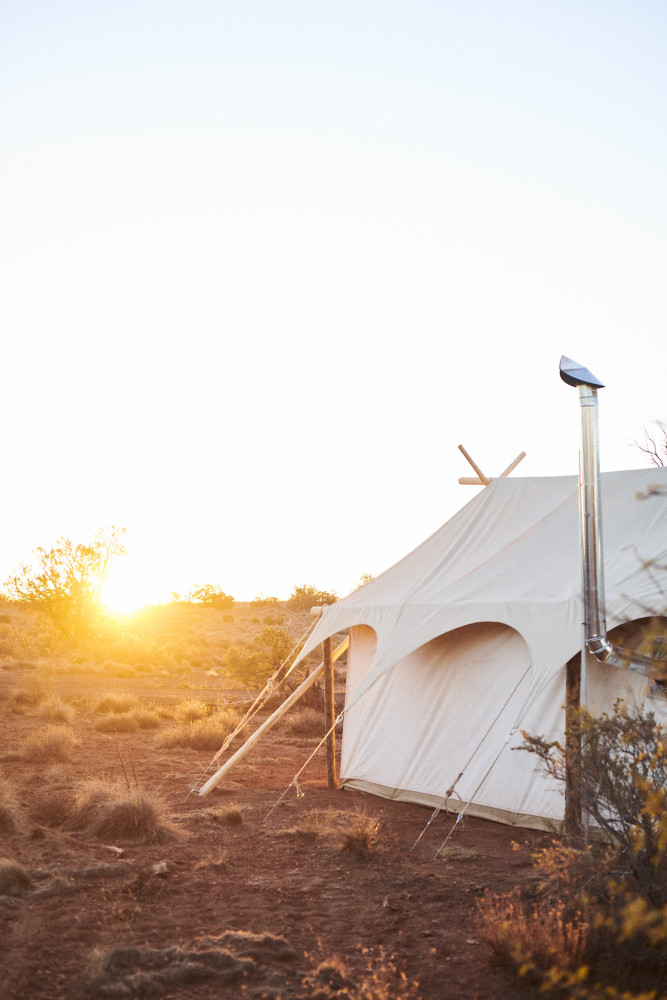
[465, 640]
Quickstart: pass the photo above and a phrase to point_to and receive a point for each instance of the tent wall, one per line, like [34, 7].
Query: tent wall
[450, 707]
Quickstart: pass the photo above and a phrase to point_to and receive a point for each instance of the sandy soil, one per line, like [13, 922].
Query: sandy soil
[244, 910]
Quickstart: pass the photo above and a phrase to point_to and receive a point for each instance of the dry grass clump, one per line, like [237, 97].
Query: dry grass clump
[227, 816]
[116, 703]
[110, 811]
[147, 718]
[128, 722]
[52, 807]
[29, 695]
[10, 815]
[219, 863]
[381, 980]
[202, 734]
[360, 836]
[190, 711]
[50, 743]
[116, 723]
[306, 722]
[56, 710]
[14, 879]
[459, 854]
[350, 833]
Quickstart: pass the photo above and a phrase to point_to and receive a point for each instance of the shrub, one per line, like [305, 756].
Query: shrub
[623, 788]
[213, 597]
[50, 743]
[252, 666]
[305, 597]
[533, 937]
[274, 619]
[600, 929]
[262, 601]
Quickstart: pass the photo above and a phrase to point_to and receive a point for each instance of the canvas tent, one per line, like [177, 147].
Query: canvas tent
[465, 640]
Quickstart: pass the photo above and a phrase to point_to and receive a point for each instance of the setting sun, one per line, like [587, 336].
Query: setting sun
[125, 590]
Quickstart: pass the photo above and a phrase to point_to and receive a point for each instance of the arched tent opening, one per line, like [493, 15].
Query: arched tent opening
[439, 721]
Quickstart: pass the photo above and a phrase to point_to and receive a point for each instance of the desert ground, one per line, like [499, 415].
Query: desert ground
[266, 888]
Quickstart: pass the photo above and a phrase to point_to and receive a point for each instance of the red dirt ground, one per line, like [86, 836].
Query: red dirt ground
[394, 906]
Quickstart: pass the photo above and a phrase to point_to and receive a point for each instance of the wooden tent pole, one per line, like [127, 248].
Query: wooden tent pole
[329, 711]
[512, 465]
[573, 812]
[270, 722]
[485, 479]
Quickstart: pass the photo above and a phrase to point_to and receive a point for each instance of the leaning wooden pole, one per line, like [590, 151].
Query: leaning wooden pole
[216, 778]
[573, 811]
[329, 712]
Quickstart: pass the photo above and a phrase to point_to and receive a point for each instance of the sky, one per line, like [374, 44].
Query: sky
[265, 265]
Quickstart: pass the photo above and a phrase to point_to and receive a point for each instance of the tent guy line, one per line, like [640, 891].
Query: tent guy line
[450, 790]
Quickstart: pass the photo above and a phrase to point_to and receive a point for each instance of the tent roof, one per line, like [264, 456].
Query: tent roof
[511, 555]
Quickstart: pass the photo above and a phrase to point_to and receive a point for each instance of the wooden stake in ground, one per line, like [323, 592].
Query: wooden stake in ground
[329, 711]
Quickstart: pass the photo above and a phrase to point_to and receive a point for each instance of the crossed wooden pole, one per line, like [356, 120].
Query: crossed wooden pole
[480, 479]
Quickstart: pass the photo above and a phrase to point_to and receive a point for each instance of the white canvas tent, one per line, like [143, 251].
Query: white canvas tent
[466, 639]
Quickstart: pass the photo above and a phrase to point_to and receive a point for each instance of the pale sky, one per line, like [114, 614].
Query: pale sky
[265, 265]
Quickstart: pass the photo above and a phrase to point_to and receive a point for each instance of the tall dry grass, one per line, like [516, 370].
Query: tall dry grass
[109, 811]
[202, 734]
[50, 743]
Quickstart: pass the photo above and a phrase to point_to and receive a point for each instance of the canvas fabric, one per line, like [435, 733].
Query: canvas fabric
[464, 641]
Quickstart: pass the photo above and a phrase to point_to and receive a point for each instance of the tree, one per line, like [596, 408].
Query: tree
[65, 582]
[654, 445]
[213, 596]
[306, 597]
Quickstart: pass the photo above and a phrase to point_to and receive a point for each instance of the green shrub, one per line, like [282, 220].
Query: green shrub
[253, 665]
[599, 928]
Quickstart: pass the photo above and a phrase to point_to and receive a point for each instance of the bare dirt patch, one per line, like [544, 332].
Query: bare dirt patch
[245, 901]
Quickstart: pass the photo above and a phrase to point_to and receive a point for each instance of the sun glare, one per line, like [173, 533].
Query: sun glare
[124, 593]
